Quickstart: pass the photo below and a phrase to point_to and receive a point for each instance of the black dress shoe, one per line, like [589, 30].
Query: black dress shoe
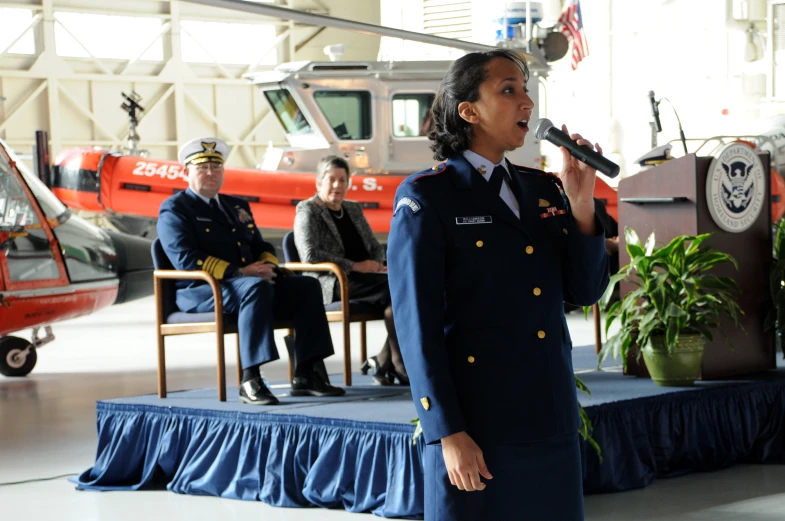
[256, 393]
[314, 382]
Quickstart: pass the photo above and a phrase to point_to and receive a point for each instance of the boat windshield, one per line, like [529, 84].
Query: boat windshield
[288, 112]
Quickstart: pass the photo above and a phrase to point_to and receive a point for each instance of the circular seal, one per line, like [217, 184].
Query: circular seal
[735, 187]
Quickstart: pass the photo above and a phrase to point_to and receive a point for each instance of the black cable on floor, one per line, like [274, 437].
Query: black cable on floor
[35, 480]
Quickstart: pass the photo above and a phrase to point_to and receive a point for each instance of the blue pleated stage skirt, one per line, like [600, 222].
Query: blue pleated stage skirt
[539, 481]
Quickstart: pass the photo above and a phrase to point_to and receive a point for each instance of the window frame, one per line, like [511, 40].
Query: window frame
[402, 93]
[369, 117]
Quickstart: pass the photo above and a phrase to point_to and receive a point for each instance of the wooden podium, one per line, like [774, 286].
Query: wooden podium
[670, 200]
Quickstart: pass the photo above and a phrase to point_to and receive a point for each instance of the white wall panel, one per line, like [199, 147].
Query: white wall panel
[235, 108]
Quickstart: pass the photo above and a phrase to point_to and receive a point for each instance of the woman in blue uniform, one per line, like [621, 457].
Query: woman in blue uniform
[482, 255]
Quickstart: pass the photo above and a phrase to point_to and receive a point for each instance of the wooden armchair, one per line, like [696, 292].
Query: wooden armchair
[344, 311]
[170, 321]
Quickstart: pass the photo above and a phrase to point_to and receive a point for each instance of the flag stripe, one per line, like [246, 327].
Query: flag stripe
[572, 27]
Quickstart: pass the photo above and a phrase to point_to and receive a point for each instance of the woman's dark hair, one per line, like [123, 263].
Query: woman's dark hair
[452, 134]
[329, 162]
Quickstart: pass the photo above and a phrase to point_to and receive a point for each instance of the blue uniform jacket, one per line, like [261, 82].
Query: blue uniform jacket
[195, 237]
[478, 302]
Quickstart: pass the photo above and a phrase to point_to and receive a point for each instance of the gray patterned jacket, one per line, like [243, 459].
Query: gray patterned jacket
[317, 239]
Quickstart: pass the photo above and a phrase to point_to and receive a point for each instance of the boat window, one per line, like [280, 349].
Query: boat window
[348, 112]
[288, 112]
[411, 114]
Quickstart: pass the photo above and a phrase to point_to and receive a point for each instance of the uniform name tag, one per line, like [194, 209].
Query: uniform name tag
[478, 219]
[204, 219]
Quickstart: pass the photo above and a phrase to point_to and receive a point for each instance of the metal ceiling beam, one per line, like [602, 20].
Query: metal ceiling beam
[320, 20]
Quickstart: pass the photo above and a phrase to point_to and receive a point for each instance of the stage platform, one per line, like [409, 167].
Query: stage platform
[355, 452]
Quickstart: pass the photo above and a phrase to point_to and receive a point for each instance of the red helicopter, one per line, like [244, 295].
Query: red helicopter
[54, 265]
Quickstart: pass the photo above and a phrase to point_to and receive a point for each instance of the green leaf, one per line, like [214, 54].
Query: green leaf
[630, 237]
[676, 312]
[649, 247]
[417, 430]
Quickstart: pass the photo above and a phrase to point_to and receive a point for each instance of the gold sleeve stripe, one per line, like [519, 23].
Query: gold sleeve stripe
[220, 269]
[268, 257]
[216, 267]
[208, 264]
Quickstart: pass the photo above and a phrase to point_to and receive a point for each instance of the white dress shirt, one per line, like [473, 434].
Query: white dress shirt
[485, 168]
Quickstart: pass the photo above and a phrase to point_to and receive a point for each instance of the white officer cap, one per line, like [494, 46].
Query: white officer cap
[203, 150]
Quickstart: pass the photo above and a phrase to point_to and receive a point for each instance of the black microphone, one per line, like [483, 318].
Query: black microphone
[544, 129]
[655, 112]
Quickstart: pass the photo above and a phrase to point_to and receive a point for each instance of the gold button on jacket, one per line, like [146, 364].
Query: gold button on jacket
[541, 334]
[471, 359]
[537, 292]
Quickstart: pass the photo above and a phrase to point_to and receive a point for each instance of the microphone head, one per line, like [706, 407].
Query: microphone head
[651, 94]
[541, 127]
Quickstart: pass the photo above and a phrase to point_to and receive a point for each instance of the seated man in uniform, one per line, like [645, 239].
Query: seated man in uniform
[202, 230]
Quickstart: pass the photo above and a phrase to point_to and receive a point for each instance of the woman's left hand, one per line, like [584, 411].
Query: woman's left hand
[578, 181]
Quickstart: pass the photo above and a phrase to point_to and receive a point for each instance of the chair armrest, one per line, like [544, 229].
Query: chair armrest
[330, 267]
[159, 275]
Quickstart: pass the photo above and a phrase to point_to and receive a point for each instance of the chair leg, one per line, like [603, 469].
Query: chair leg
[347, 353]
[290, 331]
[161, 366]
[363, 343]
[595, 310]
[239, 363]
[221, 367]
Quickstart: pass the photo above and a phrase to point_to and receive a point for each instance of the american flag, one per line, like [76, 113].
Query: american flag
[572, 27]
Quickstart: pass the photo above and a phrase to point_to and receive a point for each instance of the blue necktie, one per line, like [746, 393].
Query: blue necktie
[497, 179]
[216, 207]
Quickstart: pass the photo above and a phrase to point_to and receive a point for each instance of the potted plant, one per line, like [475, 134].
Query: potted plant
[674, 309]
[776, 315]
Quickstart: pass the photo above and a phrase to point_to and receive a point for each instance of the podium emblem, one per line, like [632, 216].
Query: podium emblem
[735, 187]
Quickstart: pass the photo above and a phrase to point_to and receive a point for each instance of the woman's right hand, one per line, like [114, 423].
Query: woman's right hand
[464, 462]
[368, 266]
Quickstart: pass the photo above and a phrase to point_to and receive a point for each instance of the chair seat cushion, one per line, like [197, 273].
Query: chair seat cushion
[179, 317]
[355, 308]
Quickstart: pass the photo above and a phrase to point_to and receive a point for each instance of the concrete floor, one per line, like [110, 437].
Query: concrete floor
[47, 429]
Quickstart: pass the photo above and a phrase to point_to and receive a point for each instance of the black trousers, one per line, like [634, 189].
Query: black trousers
[259, 304]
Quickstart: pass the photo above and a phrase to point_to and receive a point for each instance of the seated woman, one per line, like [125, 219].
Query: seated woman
[329, 229]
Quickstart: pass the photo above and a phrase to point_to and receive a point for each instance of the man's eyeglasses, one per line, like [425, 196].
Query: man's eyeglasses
[206, 167]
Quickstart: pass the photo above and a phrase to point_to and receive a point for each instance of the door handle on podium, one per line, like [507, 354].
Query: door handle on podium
[653, 200]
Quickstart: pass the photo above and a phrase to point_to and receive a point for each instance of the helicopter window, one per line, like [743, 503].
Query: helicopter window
[27, 251]
[49, 203]
[349, 112]
[288, 112]
[15, 209]
[411, 114]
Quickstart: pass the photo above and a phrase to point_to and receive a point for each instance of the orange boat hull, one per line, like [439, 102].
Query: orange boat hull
[97, 181]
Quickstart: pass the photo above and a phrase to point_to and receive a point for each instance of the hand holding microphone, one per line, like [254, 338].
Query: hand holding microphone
[544, 130]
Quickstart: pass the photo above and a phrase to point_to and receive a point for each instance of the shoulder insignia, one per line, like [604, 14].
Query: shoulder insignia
[553, 177]
[413, 205]
[435, 170]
